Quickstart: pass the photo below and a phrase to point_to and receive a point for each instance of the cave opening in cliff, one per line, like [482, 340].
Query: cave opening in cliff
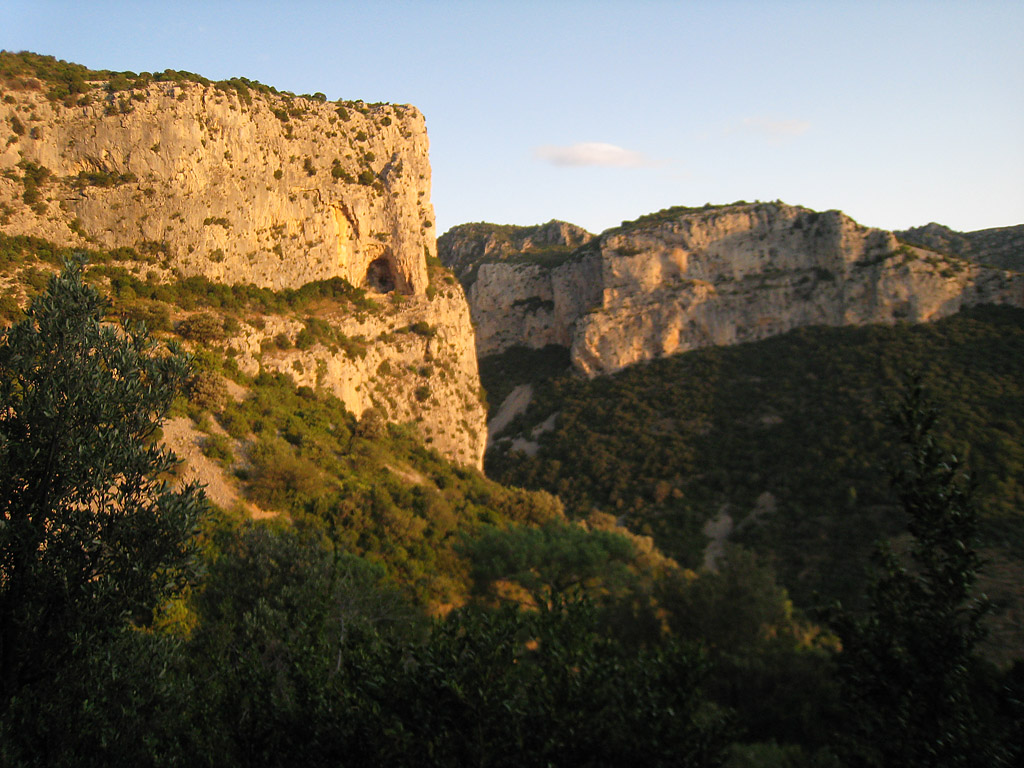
[380, 276]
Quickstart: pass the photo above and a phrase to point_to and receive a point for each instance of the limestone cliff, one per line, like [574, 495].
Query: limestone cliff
[277, 192]
[469, 245]
[247, 185]
[525, 285]
[687, 278]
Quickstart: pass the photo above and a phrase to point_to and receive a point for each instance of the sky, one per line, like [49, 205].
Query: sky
[898, 113]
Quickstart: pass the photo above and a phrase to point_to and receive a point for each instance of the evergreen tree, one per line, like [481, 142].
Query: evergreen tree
[908, 664]
[92, 536]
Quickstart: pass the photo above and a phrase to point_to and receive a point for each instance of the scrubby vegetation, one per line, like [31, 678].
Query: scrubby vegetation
[290, 644]
[73, 84]
[786, 437]
[292, 636]
[671, 214]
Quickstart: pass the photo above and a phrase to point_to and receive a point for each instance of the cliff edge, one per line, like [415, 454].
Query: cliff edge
[685, 278]
[238, 183]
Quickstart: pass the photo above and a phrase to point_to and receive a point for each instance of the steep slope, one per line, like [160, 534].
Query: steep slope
[239, 186]
[525, 285]
[783, 445]
[236, 183]
[686, 278]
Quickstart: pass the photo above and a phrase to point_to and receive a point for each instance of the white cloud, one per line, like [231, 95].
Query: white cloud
[592, 153]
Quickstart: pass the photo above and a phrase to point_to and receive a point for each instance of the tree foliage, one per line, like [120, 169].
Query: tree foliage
[550, 561]
[512, 687]
[908, 663]
[664, 445]
[92, 536]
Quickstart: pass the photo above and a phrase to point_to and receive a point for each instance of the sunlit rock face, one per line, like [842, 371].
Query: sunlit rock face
[687, 278]
[277, 191]
[272, 190]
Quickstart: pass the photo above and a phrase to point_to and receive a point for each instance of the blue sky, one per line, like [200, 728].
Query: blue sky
[898, 113]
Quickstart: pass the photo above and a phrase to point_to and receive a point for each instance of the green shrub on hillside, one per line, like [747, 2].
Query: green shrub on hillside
[797, 417]
[104, 179]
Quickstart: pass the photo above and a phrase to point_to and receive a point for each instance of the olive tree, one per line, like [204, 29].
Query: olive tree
[93, 536]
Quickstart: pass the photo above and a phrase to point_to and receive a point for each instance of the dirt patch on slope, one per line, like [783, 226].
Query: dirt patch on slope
[182, 437]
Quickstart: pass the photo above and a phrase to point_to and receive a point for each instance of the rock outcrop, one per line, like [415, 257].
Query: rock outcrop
[414, 360]
[686, 278]
[247, 185]
[525, 285]
[468, 245]
[1001, 247]
[277, 192]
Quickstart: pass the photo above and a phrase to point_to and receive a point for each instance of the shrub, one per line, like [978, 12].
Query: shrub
[155, 315]
[103, 179]
[340, 173]
[421, 328]
[208, 391]
[234, 422]
[204, 327]
[218, 448]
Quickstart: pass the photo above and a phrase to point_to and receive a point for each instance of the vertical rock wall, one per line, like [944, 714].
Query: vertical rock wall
[269, 189]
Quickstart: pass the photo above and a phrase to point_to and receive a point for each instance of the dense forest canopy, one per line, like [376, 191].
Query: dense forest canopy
[787, 436]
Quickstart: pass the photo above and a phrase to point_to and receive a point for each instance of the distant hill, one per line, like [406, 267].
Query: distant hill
[685, 278]
[1001, 247]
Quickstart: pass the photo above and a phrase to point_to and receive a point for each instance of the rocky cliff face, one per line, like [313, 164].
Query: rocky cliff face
[470, 245]
[276, 192]
[526, 285]
[258, 187]
[687, 278]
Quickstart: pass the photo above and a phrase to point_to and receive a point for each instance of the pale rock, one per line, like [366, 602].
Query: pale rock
[203, 198]
[689, 278]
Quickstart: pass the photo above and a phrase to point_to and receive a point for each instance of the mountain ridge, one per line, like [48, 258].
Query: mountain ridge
[683, 278]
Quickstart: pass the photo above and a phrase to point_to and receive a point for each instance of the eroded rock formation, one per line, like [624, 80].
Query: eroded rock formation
[263, 188]
[686, 278]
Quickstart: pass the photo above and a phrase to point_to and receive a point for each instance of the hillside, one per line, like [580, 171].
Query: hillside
[1001, 247]
[686, 278]
[236, 184]
[780, 445]
[357, 591]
